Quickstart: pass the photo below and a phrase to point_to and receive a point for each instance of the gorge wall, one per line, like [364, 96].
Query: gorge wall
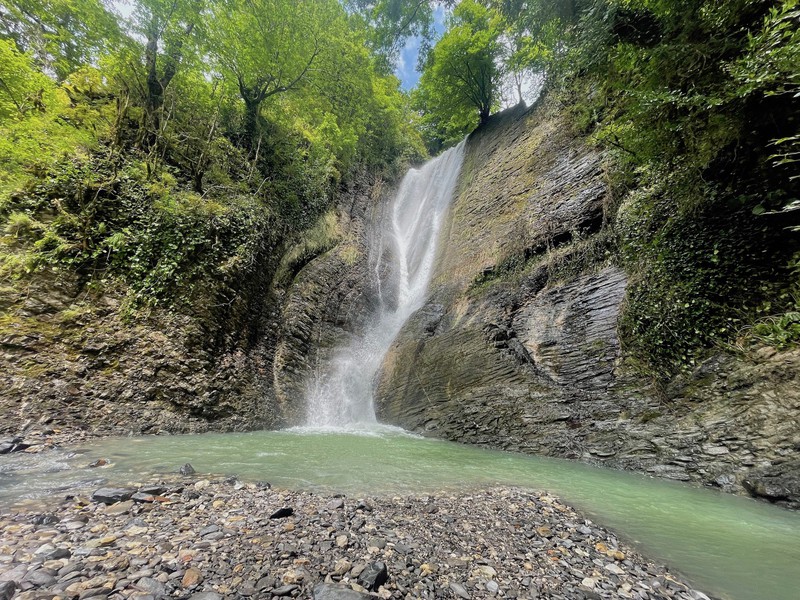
[518, 347]
[74, 362]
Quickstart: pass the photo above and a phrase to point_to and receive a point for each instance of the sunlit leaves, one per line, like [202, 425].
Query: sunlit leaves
[460, 84]
[62, 35]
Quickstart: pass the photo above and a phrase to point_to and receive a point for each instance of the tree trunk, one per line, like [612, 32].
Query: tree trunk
[252, 125]
[484, 113]
[155, 93]
[155, 84]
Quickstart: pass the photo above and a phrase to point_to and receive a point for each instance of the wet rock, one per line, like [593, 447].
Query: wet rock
[522, 360]
[15, 444]
[112, 495]
[776, 483]
[46, 519]
[187, 469]
[282, 513]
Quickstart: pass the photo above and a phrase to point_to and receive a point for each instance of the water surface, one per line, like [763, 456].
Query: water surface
[727, 546]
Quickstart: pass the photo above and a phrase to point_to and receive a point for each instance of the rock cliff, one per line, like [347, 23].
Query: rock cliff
[72, 361]
[518, 347]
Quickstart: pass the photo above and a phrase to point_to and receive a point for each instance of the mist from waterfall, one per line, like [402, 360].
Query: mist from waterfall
[401, 259]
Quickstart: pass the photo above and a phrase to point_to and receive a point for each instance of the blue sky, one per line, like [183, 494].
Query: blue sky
[406, 69]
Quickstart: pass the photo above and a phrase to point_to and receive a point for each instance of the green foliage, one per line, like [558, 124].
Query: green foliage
[178, 156]
[62, 35]
[105, 221]
[771, 67]
[312, 243]
[697, 277]
[391, 22]
[782, 331]
[39, 122]
[697, 103]
[459, 87]
[283, 39]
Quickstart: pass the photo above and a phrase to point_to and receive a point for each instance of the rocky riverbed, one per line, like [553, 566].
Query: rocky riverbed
[207, 539]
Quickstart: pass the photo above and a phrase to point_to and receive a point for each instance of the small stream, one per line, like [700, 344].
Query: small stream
[728, 546]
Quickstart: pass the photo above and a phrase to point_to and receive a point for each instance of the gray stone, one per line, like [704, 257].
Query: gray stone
[98, 592]
[142, 497]
[459, 590]
[151, 586]
[40, 578]
[59, 553]
[324, 591]
[7, 589]
[373, 576]
[112, 495]
[335, 504]
[284, 590]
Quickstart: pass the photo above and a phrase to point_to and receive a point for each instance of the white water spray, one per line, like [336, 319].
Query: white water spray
[341, 393]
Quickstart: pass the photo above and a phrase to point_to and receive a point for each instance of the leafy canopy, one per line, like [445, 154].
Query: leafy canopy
[459, 86]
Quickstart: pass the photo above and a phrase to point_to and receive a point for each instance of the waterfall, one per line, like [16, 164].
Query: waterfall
[402, 260]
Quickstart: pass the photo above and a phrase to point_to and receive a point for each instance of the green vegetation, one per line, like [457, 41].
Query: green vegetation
[458, 87]
[181, 151]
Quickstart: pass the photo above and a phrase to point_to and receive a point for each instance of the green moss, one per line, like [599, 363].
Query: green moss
[313, 242]
[698, 278]
[74, 314]
[578, 257]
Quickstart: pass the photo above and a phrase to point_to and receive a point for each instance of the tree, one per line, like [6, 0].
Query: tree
[391, 22]
[459, 84]
[62, 35]
[268, 47]
[167, 27]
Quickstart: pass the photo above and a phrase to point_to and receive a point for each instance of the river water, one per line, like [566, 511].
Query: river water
[728, 546]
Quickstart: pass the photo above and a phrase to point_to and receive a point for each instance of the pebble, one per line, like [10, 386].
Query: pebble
[459, 591]
[225, 538]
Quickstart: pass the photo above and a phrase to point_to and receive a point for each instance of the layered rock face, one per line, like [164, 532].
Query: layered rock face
[72, 363]
[517, 347]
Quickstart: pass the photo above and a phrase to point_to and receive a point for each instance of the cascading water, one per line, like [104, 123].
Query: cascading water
[341, 394]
